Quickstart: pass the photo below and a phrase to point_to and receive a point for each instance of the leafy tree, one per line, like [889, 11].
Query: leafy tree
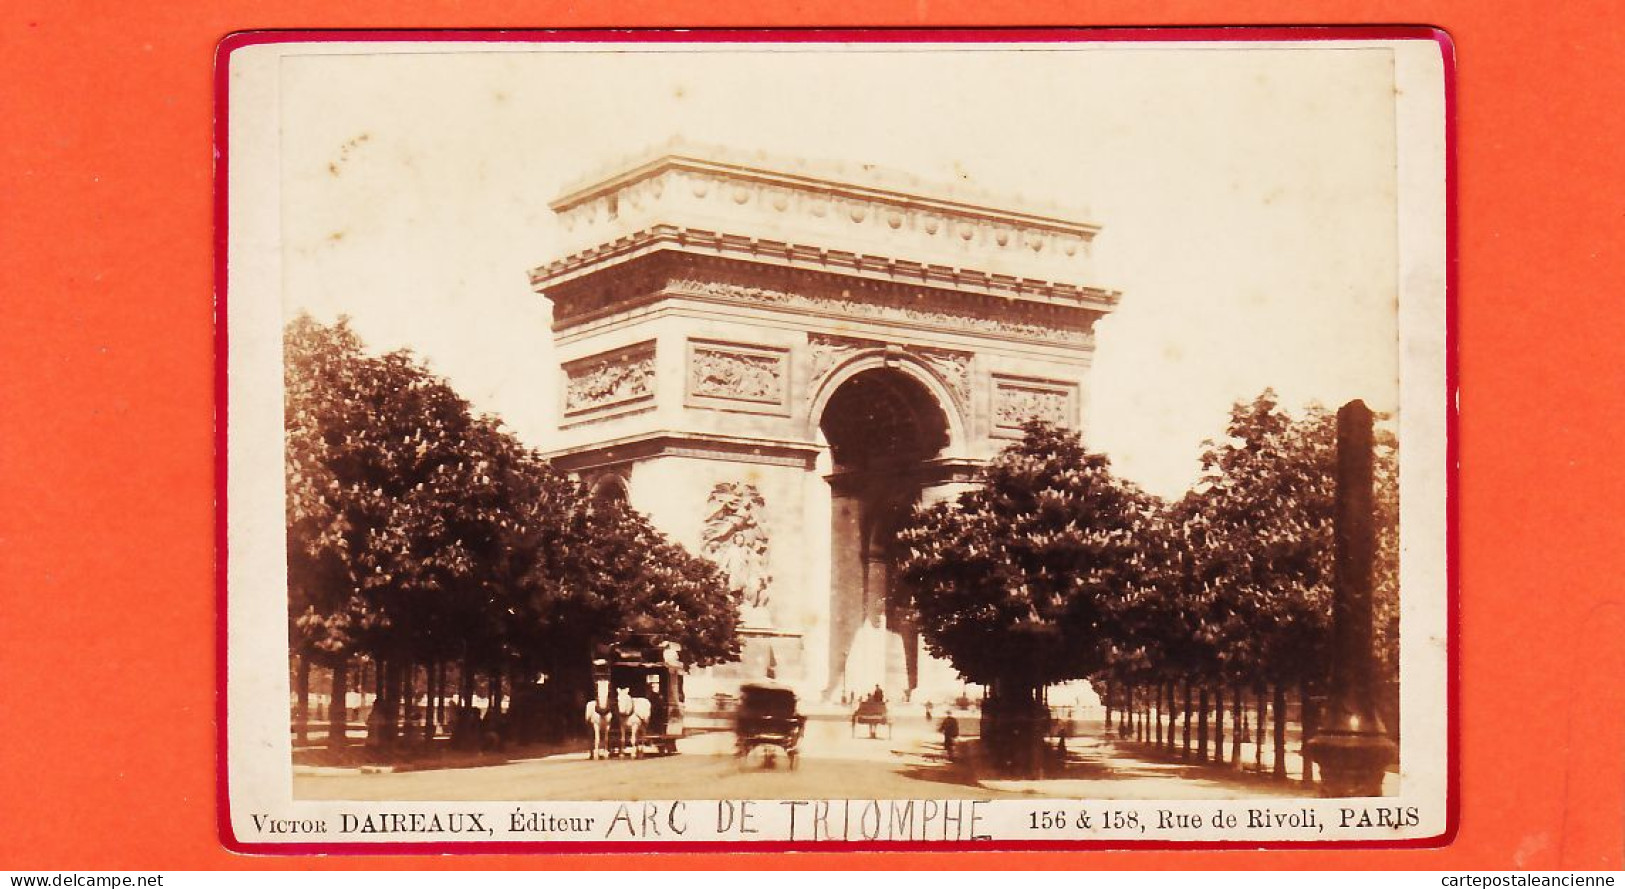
[419, 535]
[1021, 582]
[327, 613]
[1385, 575]
[1385, 579]
[1266, 549]
[606, 573]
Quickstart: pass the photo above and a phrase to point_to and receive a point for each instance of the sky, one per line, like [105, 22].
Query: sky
[1246, 198]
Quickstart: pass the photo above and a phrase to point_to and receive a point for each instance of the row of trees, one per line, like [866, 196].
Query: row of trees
[1053, 569]
[427, 540]
[421, 536]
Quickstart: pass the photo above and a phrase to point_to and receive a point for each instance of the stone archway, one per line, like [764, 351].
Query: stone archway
[831, 350]
[884, 429]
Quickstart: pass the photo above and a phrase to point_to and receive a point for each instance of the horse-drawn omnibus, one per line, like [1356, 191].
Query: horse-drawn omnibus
[642, 685]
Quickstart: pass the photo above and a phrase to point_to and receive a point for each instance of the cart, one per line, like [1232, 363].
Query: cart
[768, 718]
[871, 714]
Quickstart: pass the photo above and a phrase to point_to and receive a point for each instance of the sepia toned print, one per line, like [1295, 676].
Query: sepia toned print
[619, 455]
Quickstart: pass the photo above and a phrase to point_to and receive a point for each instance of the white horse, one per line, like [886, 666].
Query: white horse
[634, 714]
[599, 716]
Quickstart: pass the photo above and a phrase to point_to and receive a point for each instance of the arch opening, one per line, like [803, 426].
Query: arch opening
[611, 488]
[883, 419]
[883, 428]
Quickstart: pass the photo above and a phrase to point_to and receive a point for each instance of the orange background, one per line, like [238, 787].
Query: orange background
[107, 631]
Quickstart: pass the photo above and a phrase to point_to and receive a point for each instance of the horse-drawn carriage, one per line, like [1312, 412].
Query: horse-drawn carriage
[871, 713]
[768, 719]
[639, 700]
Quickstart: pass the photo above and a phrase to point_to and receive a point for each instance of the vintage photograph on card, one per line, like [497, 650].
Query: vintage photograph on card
[864, 440]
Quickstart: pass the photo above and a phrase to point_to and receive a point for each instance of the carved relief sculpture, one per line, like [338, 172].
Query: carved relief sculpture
[610, 379]
[953, 368]
[1016, 404]
[735, 538]
[835, 304]
[717, 373]
[830, 351]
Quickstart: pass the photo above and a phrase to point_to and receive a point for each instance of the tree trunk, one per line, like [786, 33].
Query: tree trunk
[1188, 707]
[1280, 730]
[1239, 714]
[1201, 725]
[1109, 709]
[440, 692]
[1167, 704]
[379, 713]
[1174, 714]
[409, 702]
[1218, 723]
[1157, 711]
[338, 717]
[395, 687]
[388, 708]
[302, 689]
[1258, 729]
[1161, 711]
[465, 675]
[431, 702]
[1307, 719]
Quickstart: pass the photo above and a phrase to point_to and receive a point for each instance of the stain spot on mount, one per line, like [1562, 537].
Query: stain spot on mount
[345, 151]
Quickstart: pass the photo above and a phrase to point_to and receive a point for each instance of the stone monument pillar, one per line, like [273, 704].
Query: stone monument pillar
[1352, 747]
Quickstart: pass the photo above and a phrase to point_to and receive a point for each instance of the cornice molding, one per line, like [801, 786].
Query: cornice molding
[647, 446]
[674, 278]
[919, 196]
[765, 260]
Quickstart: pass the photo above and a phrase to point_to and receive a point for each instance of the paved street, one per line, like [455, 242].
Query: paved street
[834, 765]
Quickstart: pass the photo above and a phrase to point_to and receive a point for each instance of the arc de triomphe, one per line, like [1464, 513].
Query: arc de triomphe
[776, 361]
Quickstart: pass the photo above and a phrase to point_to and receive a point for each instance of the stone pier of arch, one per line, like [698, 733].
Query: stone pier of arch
[776, 361]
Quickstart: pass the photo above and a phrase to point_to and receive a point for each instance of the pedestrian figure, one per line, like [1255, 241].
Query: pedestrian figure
[950, 733]
[928, 719]
[493, 730]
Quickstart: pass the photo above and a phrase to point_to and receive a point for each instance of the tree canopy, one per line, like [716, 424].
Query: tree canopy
[420, 533]
[1052, 569]
[1024, 578]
